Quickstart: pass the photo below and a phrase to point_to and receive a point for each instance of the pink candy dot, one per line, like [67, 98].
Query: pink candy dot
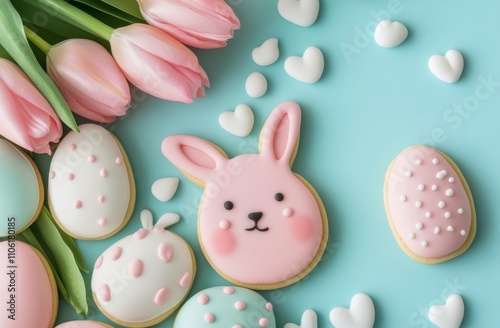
[162, 296]
[52, 175]
[71, 177]
[101, 199]
[98, 262]
[102, 222]
[264, 322]
[228, 290]
[287, 212]
[224, 224]
[118, 161]
[104, 293]
[269, 306]
[209, 317]
[240, 306]
[92, 159]
[72, 147]
[103, 173]
[159, 229]
[140, 234]
[115, 253]
[78, 204]
[165, 252]
[185, 280]
[202, 299]
[237, 326]
[135, 268]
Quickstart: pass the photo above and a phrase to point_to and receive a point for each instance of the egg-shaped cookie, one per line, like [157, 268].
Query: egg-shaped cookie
[29, 292]
[21, 190]
[83, 324]
[429, 205]
[91, 186]
[141, 279]
[226, 307]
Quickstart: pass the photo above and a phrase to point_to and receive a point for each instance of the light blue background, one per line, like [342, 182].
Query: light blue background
[356, 119]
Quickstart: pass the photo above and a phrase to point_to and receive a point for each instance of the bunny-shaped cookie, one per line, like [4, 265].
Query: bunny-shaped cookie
[260, 225]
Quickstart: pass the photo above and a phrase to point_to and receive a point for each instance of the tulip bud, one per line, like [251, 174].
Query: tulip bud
[25, 115]
[198, 23]
[157, 63]
[89, 79]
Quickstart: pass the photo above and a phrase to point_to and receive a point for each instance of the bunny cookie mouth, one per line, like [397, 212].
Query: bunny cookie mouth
[256, 227]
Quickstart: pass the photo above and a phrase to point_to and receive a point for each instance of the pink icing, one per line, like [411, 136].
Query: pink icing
[237, 326]
[269, 306]
[140, 234]
[103, 173]
[52, 175]
[81, 324]
[264, 322]
[72, 147]
[425, 205]
[104, 293]
[228, 290]
[102, 222]
[115, 253]
[135, 268]
[240, 306]
[202, 299]
[34, 292]
[92, 158]
[118, 161]
[251, 182]
[162, 296]
[71, 177]
[78, 204]
[101, 199]
[159, 229]
[209, 317]
[185, 280]
[98, 262]
[224, 224]
[165, 252]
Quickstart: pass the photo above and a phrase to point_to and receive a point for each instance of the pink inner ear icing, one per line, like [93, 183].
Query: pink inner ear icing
[281, 137]
[198, 157]
[224, 242]
[302, 228]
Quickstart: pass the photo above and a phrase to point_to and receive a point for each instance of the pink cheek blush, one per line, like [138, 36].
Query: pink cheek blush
[302, 228]
[224, 242]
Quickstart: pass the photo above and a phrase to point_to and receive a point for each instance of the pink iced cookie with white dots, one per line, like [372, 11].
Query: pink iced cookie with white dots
[429, 205]
[141, 279]
[260, 225]
[91, 187]
[231, 307]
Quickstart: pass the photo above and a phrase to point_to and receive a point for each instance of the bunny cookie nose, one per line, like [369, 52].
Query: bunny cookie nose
[255, 216]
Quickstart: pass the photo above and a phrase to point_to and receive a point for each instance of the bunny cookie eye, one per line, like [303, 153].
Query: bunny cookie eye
[228, 205]
[279, 197]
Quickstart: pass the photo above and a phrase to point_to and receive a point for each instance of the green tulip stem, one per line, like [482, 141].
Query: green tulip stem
[71, 14]
[37, 40]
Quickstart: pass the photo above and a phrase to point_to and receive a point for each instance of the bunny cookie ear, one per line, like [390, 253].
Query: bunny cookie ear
[280, 134]
[193, 156]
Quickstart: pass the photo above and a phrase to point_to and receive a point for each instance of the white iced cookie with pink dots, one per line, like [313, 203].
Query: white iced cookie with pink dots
[429, 205]
[141, 279]
[91, 187]
[83, 324]
[234, 307]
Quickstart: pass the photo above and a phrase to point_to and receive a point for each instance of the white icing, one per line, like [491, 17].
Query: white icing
[309, 320]
[421, 187]
[164, 189]
[409, 173]
[441, 204]
[412, 235]
[463, 232]
[308, 68]
[424, 243]
[428, 214]
[450, 192]
[447, 215]
[389, 34]
[418, 161]
[419, 225]
[441, 174]
[403, 198]
[450, 229]
[361, 313]
[77, 203]
[418, 204]
[447, 68]
[451, 179]
[240, 122]
[303, 12]
[146, 219]
[449, 315]
[434, 187]
[435, 161]
[437, 230]
[460, 211]
[256, 85]
[267, 53]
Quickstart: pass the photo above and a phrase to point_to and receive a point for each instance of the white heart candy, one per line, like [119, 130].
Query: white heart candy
[300, 12]
[389, 34]
[449, 315]
[164, 189]
[309, 320]
[447, 68]
[307, 68]
[256, 85]
[267, 54]
[239, 122]
[361, 313]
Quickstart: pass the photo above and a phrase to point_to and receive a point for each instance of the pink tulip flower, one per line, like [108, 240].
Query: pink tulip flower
[26, 117]
[198, 23]
[157, 63]
[89, 79]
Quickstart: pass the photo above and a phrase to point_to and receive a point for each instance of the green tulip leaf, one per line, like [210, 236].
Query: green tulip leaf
[13, 39]
[129, 6]
[111, 11]
[63, 260]
[5, 54]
